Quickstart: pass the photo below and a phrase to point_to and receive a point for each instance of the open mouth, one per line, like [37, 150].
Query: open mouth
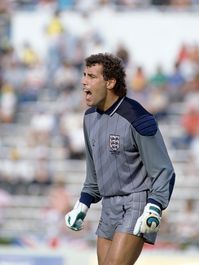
[87, 92]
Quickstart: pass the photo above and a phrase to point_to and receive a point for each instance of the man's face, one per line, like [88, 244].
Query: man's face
[94, 86]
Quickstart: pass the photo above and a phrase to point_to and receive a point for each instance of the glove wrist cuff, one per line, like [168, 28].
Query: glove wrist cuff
[150, 207]
[152, 201]
[81, 207]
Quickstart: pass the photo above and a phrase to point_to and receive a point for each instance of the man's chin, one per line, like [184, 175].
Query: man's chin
[90, 104]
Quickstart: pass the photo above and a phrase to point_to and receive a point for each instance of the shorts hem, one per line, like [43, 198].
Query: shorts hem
[147, 241]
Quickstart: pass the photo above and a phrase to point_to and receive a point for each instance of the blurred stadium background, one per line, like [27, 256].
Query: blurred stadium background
[42, 47]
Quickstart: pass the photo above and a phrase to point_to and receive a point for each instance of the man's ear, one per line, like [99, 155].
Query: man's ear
[111, 83]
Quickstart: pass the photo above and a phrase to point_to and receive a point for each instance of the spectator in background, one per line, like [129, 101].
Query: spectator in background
[189, 65]
[71, 126]
[71, 49]
[29, 56]
[42, 179]
[139, 84]
[65, 4]
[190, 120]
[8, 103]
[5, 22]
[158, 102]
[193, 87]
[160, 2]
[60, 198]
[123, 53]
[78, 54]
[139, 80]
[86, 6]
[35, 79]
[55, 26]
[94, 41]
[42, 125]
[180, 4]
[183, 53]
[159, 79]
[189, 124]
[195, 53]
[5, 200]
[66, 77]
[59, 201]
[13, 73]
[194, 155]
[187, 225]
[54, 32]
[176, 82]
[158, 98]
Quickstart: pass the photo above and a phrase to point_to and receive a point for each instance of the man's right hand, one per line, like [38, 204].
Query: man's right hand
[74, 219]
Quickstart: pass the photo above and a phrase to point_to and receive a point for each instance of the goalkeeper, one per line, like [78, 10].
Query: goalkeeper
[128, 166]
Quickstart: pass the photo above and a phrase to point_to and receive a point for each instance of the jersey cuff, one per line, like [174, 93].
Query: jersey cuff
[155, 202]
[86, 199]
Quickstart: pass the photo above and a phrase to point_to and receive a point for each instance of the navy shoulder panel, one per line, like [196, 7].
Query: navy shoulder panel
[90, 110]
[145, 125]
[143, 121]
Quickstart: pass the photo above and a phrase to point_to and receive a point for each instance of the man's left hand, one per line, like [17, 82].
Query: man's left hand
[149, 221]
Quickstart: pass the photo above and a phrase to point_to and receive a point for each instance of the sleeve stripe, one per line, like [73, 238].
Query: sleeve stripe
[145, 125]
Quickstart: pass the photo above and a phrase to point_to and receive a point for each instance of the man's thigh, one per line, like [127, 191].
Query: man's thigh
[124, 249]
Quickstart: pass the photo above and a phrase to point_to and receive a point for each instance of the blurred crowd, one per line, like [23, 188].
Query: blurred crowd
[41, 103]
[83, 5]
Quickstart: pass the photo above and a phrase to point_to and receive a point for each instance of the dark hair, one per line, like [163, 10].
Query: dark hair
[113, 68]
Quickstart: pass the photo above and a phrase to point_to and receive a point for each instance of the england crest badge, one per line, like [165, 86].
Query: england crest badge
[114, 142]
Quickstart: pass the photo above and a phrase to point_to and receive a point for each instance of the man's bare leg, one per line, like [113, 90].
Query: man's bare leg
[124, 249]
[103, 246]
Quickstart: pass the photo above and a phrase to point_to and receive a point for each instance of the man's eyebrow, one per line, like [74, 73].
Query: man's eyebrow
[91, 75]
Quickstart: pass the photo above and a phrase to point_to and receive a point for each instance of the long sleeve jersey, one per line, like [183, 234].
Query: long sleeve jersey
[125, 153]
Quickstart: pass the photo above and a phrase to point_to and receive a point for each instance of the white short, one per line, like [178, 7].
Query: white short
[120, 213]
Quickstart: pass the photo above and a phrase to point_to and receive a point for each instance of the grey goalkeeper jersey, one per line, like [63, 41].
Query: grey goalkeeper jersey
[125, 153]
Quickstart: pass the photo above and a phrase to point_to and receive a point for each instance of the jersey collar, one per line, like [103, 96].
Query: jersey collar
[110, 111]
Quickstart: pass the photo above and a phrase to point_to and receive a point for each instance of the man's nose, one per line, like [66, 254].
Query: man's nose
[84, 80]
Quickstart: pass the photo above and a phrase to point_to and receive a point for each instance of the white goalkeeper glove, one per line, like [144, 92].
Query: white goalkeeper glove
[149, 221]
[74, 219]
